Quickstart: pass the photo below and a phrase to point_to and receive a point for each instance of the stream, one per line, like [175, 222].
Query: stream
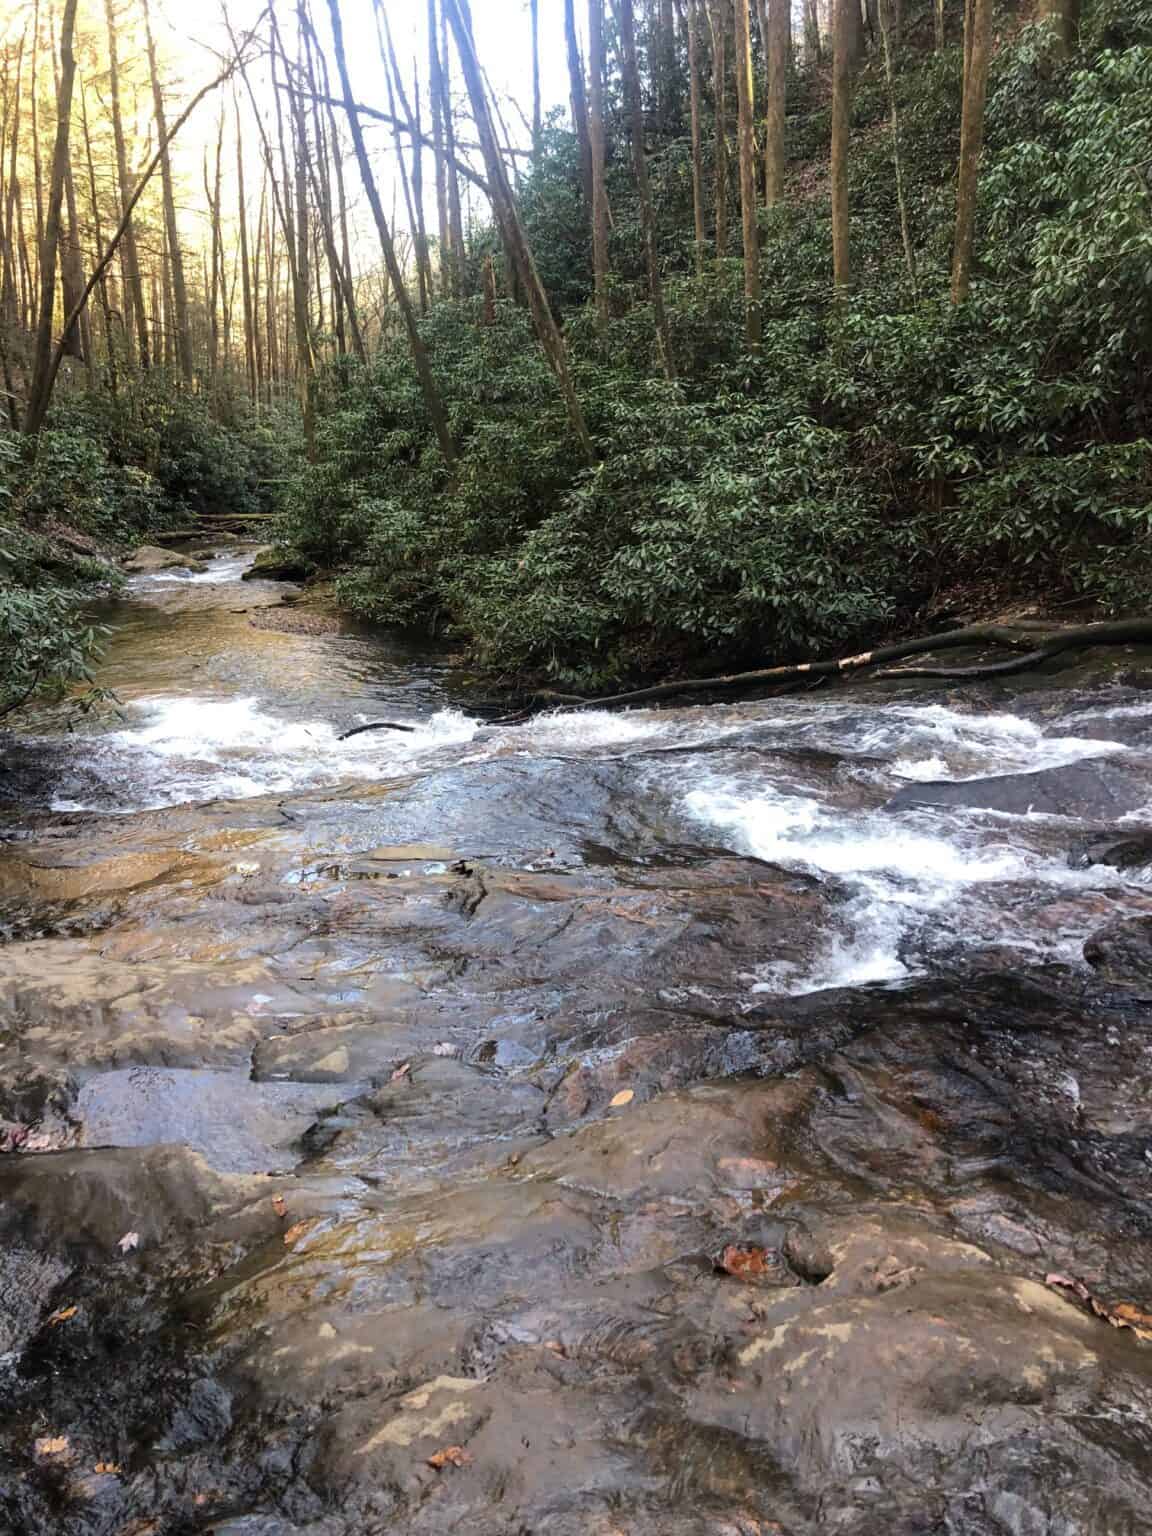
[729, 1119]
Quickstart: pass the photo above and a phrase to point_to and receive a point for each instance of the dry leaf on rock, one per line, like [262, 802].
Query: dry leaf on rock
[402, 1071]
[279, 1205]
[129, 1241]
[61, 1316]
[107, 1468]
[51, 1445]
[450, 1456]
[746, 1261]
[296, 1231]
[1123, 1315]
[625, 1096]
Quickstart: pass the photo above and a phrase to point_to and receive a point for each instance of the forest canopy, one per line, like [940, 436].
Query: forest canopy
[791, 324]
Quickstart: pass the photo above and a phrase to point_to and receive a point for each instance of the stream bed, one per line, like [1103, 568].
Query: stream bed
[729, 1119]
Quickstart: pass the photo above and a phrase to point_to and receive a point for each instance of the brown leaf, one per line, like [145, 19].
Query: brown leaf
[1123, 1315]
[107, 1468]
[51, 1445]
[625, 1096]
[402, 1071]
[746, 1261]
[129, 1241]
[450, 1456]
[61, 1316]
[279, 1206]
[296, 1231]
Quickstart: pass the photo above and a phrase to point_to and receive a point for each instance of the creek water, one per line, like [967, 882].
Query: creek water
[677, 1113]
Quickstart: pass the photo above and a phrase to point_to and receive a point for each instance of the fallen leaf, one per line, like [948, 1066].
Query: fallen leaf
[129, 1241]
[279, 1206]
[445, 1048]
[246, 871]
[107, 1468]
[402, 1071]
[296, 1231]
[746, 1261]
[1123, 1315]
[51, 1445]
[450, 1456]
[625, 1096]
[61, 1316]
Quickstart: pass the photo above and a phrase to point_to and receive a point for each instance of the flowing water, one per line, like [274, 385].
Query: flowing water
[674, 1115]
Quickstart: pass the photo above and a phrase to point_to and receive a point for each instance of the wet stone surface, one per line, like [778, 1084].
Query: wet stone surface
[663, 1124]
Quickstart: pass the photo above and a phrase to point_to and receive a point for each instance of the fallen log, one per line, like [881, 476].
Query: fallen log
[1036, 644]
[376, 725]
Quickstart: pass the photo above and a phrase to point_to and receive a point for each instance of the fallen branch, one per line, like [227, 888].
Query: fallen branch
[377, 725]
[1036, 644]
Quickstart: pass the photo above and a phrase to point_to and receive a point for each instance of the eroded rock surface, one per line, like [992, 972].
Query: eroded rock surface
[664, 1142]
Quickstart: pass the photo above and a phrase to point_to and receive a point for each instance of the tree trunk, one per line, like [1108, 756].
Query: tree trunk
[172, 228]
[537, 99]
[1063, 17]
[842, 62]
[246, 270]
[812, 43]
[596, 140]
[508, 217]
[43, 375]
[940, 38]
[887, 38]
[455, 218]
[971, 140]
[698, 217]
[578, 98]
[719, 22]
[439, 108]
[98, 238]
[779, 29]
[433, 403]
[747, 141]
[136, 321]
[630, 73]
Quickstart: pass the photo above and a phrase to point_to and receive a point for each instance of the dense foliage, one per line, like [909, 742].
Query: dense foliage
[875, 451]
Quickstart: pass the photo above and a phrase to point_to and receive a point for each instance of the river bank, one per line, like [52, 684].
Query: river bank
[650, 1122]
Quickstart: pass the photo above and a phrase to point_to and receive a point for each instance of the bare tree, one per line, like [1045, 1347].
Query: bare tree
[845, 27]
[747, 146]
[596, 140]
[971, 142]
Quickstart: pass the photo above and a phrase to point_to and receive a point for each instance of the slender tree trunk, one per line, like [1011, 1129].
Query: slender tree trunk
[537, 99]
[698, 217]
[439, 108]
[421, 232]
[887, 37]
[34, 118]
[747, 140]
[212, 193]
[350, 302]
[578, 97]
[939, 13]
[136, 320]
[779, 29]
[630, 72]
[508, 217]
[719, 21]
[98, 239]
[43, 375]
[433, 402]
[397, 100]
[257, 257]
[171, 226]
[971, 141]
[245, 268]
[596, 140]
[842, 61]
[455, 218]
[812, 43]
[1064, 19]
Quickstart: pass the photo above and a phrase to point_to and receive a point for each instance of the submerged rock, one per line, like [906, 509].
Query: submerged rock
[1098, 790]
[275, 564]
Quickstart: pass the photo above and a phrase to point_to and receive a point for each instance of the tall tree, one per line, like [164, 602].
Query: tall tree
[718, 17]
[596, 140]
[971, 142]
[171, 225]
[747, 145]
[845, 26]
[137, 319]
[779, 23]
[889, 40]
[1063, 17]
[433, 402]
[694, 100]
[579, 98]
[40, 389]
[537, 98]
[630, 71]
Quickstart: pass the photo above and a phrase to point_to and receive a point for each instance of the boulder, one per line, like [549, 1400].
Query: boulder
[274, 563]
[150, 558]
[1097, 790]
